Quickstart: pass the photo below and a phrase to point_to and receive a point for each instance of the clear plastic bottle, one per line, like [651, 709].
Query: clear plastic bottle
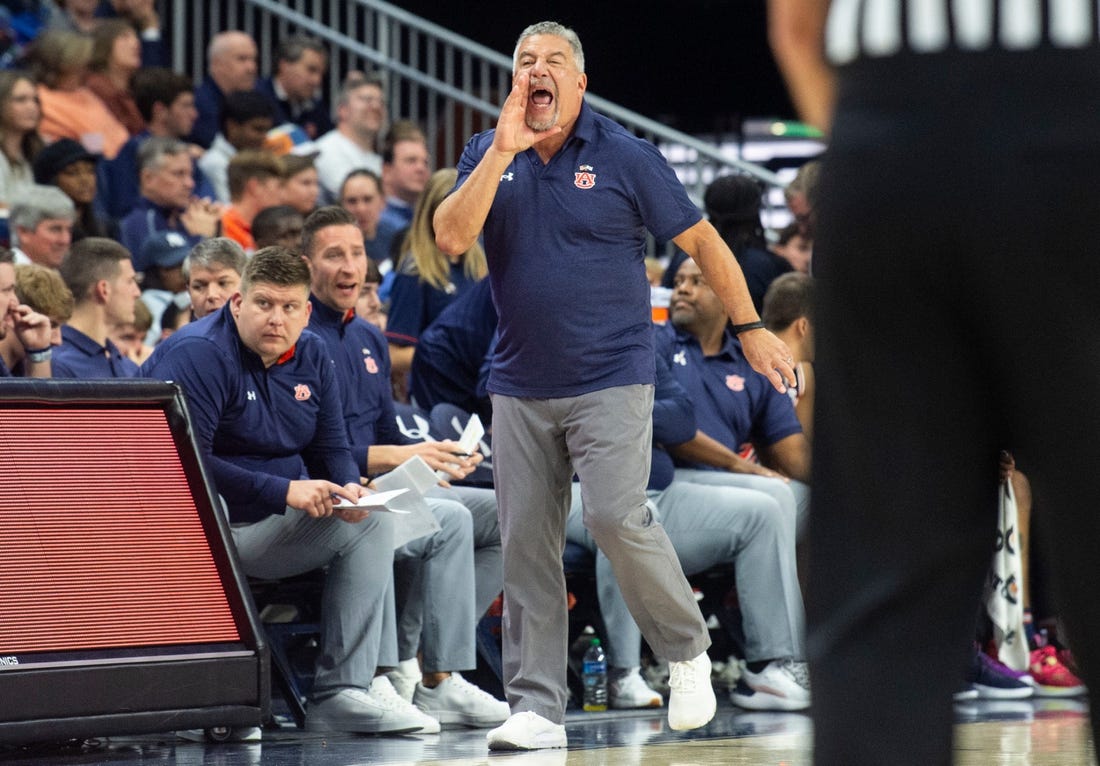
[594, 675]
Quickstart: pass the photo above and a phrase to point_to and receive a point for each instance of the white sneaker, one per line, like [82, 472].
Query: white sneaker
[457, 701]
[382, 689]
[526, 731]
[629, 690]
[691, 701]
[362, 712]
[405, 677]
[781, 685]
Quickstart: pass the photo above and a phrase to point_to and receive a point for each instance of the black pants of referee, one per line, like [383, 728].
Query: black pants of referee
[958, 260]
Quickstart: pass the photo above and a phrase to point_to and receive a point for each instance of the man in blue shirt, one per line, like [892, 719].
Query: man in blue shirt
[166, 202]
[100, 275]
[733, 405]
[446, 597]
[231, 66]
[564, 197]
[267, 416]
[451, 351]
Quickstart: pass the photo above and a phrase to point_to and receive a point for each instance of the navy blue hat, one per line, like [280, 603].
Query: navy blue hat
[165, 249]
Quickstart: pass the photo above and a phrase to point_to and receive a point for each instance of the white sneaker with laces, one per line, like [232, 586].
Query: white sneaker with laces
[628, 690]
[457, 701]
[381, 688]
[526, 731]
[781, 685]
[363, 711]
[405, 677]
[691, 701]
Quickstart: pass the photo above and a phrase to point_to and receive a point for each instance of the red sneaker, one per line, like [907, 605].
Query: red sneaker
[1054, 679]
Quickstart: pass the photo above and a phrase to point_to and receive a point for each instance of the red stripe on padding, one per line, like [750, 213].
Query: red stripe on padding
[101, 544]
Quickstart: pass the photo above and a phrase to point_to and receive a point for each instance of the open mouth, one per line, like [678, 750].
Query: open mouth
[542, 97]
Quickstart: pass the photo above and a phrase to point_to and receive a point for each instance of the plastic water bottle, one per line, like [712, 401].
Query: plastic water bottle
[594, 675]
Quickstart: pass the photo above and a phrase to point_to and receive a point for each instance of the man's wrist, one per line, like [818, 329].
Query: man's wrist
[37, 355]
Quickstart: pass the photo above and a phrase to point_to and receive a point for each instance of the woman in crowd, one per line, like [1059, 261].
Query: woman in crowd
[427, 279]
[69, 109]
[19, 138]
[116, 56]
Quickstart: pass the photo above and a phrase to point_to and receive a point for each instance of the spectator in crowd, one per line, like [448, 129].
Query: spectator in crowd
[301, 189]
[166, 101]
[353, 143]
[174, 318]
[711, 526]
[19, 139]
[213, 272]
[130, 337]
[231, 67]
[369, 305]
[255, 182]
[41, 223]
[278, 225]
[406, 168]
[72, 169]
[245, 120]
[733, 206]
[427, 279]
[438, 583]
[73, 16]
[794, 247]
[69, 109]
[788, 312]
[361, 195]
[295, 87]
[166, 203]
[101, 277]
[164, 283]
[26, 333]
[116, 57]
[801, 196]
[143, 17]
[282, 523]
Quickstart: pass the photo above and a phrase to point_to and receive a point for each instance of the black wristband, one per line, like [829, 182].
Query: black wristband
[740, 328]
[38, 350]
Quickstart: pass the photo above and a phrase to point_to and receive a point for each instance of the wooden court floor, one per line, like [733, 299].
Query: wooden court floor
[1029, 733]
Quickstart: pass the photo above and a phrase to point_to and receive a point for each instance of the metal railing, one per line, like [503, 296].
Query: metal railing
[450, 85]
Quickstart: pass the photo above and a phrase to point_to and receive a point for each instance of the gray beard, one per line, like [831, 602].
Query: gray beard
[545, 124]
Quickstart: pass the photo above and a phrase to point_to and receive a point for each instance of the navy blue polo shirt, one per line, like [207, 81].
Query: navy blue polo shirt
[733, 403]
[258, 428]
[566, 242]
[82, 358]
[673, 423]
[415, 304]
[452, 349]
[362, 366]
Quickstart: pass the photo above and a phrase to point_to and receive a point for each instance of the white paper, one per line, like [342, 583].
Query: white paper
[375, 501]
[468, 442]
[413, 477]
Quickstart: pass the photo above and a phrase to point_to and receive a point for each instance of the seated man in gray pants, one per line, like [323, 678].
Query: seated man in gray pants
[266, 415]
[708, 526]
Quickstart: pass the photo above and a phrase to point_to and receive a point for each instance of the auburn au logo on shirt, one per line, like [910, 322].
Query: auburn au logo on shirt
[302, 392]
[584, 178]
[735, 383]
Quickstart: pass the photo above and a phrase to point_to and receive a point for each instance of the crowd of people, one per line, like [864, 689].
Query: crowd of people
[300, 270]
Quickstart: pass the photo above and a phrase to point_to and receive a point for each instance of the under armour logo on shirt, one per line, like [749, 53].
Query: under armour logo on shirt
[251, 396]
